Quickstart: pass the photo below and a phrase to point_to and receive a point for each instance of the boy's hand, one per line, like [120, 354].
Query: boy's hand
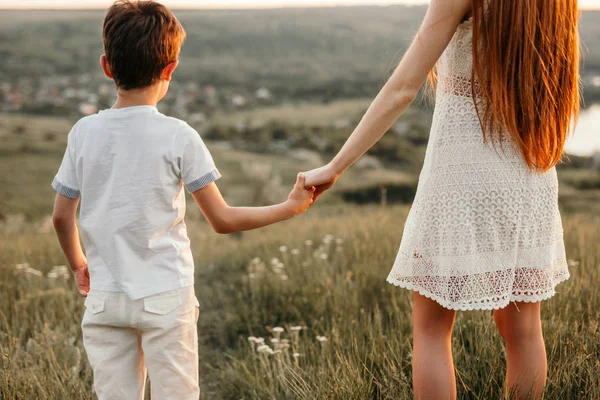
[301, 198]
[322, 179]
[82, 279]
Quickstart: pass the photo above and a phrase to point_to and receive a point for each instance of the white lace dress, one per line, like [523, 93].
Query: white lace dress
[484, 230]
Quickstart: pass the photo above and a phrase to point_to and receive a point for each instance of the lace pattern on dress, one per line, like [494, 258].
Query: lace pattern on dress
[483, 229]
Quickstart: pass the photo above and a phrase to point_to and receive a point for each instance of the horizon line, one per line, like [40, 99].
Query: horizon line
[220, 7]
[237, 8]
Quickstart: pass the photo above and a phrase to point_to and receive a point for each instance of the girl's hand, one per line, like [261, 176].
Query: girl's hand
[301, 197]
[321, 178]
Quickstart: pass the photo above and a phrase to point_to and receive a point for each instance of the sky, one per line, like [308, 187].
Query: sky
[219, 4]
[202, 3]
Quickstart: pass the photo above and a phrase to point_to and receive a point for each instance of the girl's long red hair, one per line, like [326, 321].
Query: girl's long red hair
[526, 61]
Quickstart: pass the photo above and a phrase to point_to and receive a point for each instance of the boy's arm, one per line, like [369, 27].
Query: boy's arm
[63, 218]
[226, 219]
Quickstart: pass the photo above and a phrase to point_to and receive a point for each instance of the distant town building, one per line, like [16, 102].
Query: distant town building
[197, 119]
[105, 89]
[191, 87]
[210, 95]
[263, 94]
[238, 100]
[87, 108]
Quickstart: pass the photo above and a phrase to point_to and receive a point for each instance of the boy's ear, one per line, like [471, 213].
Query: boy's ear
[167, 72]
[105, 66]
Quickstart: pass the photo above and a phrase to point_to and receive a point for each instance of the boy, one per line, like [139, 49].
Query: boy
[128, 165]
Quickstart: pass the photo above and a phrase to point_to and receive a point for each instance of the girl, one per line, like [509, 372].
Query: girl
[484, 231]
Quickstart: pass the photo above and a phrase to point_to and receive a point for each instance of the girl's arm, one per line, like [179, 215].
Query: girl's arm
[436, 31]
[226, 219]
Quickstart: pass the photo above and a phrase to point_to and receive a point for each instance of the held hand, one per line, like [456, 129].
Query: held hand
[321, 178]
[82, 279]
[301, 197]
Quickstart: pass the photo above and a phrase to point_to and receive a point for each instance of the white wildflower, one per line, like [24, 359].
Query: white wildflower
[259, 340]
[278, 329]
[52, 275]
[339, 241]
[274, 340]
[263, 348]
[308, 242]
[275, 261]
[324, 256]
[283, 249]
[252, 339]
[251, 275]
[295, 252]
[22, 266]
[321, 339]
[284, 277]
[296, 355]
[33, 271]
[296, 328]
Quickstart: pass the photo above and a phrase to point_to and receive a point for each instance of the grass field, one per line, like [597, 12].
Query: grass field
[31, 149]
[330, 288]
[324, 272]
[307, 114]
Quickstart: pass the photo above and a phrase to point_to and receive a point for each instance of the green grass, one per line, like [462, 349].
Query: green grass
[345, 298]
[32, 147]
[301, 114]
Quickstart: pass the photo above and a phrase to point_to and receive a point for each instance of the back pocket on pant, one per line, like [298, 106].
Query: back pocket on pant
[93, 304]
[162, 305]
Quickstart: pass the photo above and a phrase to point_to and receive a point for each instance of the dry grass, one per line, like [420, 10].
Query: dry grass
[343, 297]
[301, 114]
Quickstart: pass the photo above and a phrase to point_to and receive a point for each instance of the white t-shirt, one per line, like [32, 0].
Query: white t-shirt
[129, 166]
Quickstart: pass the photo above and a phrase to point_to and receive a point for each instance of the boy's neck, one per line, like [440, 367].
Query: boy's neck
[137, 97]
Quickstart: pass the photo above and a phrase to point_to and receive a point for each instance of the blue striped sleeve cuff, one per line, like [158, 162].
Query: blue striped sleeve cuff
[203, 181]
[65, 190]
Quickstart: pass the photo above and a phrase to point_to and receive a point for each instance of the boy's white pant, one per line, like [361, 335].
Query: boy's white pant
[123, 337]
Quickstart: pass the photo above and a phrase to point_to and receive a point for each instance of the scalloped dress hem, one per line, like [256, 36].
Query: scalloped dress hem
[483, 304]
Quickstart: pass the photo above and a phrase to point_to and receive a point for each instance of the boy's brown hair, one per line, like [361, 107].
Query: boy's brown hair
[140, 39]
